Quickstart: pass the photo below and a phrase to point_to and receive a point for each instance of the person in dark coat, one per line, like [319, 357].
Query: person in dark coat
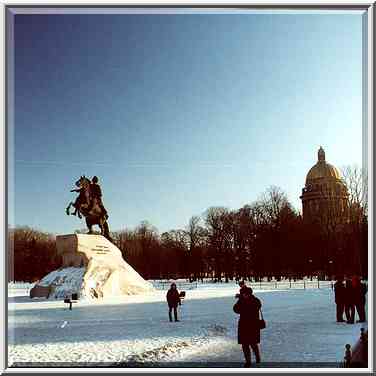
[248, 307]
[173, 300]
[360, 291]
[349, 302]
[339, 296]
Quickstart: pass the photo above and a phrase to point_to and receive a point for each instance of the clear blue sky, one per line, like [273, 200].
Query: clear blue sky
[177, 113]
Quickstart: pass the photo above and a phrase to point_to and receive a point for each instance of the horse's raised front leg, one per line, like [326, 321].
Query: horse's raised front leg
[68, 207]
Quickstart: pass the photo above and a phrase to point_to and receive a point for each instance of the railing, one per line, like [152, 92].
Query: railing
[184, 284]
[14, 287]
[261, 285]
[181, 285]
[302, 284]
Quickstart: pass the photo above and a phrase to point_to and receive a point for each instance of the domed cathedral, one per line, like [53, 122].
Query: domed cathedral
[324, 197]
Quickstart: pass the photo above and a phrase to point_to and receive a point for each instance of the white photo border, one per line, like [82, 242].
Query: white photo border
[12, 7]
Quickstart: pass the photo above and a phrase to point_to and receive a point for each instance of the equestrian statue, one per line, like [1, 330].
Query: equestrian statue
[89, 204]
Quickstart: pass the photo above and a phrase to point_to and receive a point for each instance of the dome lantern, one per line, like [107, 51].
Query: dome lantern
[321, 155]
[322, 170]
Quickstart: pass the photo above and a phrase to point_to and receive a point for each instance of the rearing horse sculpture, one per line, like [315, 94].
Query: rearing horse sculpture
[89, 208]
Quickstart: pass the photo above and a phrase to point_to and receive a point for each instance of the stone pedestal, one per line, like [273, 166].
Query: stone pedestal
[93, 268]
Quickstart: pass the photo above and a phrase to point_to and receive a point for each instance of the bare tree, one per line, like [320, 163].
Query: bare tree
[32, 252]
[175, 253]
[356, 182]
[272, 203]
[196, 237]
[218, 223]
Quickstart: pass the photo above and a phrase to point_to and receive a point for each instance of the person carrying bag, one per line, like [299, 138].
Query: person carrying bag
[249, 325]
[262, 323]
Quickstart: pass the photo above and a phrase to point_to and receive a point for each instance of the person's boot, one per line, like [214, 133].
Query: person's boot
[247, 356]
[169, 316]
[257, 355]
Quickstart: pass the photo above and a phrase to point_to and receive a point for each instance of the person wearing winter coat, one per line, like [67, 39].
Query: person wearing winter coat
[349, 302]
[248, 307]
[173, 300]
[339, 296]
[360, 291]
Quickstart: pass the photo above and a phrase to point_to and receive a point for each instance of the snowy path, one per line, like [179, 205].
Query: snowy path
[301, 327]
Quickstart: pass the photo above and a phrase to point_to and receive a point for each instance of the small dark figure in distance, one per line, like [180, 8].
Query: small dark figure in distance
[349, 302]
[339, 296]
[248, 307]
[360, 291]
[173, 300]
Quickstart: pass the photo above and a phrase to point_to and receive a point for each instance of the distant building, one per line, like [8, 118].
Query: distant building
[324, 197]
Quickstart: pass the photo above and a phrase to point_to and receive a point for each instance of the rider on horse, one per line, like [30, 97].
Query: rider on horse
[82, 199]
[96, 192]
[89, 204]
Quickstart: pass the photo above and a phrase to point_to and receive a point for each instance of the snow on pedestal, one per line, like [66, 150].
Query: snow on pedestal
[92, 267]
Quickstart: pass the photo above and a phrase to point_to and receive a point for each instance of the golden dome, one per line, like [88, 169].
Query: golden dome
[322, 169]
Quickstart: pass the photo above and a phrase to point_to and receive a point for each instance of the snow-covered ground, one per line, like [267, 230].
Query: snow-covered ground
[301, 328]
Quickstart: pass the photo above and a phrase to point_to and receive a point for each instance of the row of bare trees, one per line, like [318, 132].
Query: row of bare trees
[31, 254]
[266, 238]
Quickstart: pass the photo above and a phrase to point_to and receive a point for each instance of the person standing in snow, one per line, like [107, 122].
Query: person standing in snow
[339, 297]
[349, 302]
[360, 291]
[248, 307]
[173, 300]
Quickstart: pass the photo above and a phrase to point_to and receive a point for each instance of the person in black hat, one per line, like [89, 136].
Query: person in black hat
[242, 286]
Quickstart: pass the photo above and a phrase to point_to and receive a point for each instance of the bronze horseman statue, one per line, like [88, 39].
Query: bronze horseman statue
[89, 204]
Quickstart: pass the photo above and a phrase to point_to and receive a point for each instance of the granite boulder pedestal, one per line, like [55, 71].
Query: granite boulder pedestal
[92, 267]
